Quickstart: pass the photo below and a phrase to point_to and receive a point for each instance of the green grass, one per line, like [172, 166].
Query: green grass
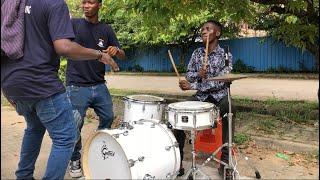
[253, 117]
[257, 75]
[4, 101]
[240, 138]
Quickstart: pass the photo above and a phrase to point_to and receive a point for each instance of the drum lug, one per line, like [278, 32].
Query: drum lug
[125, 133]
[129, 105]
[175, 118]
[125, 125]
[211, 117]
[153, 125]
[148, 176]
[143, 107]
[194, 120]
[158, 108]
[169, 176]
[176, 144]
[133, 162]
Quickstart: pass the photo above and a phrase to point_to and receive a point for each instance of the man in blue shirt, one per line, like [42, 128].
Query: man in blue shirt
[32, 85]
[208, 91]
[85, 80]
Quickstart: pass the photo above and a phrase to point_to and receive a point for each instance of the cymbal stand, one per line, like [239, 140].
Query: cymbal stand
[229, 144]
[194, 169]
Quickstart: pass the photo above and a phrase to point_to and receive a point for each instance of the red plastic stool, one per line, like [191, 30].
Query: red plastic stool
[209, 140]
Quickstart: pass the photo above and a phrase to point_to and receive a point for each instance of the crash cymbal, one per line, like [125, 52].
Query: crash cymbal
[227, 77]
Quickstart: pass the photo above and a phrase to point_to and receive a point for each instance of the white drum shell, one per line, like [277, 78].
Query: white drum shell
[137, 110]
[192, 118]
[148, 140]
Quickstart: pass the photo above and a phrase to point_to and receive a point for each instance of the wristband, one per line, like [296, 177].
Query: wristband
[99, 54]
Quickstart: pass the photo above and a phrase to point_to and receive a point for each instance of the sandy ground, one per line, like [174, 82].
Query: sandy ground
[299, 166]
[265, 160]
[254, 88]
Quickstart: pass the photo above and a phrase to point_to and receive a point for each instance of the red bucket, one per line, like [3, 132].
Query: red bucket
[209, 140]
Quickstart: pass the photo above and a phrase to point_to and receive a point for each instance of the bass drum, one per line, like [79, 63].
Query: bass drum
[147, 150]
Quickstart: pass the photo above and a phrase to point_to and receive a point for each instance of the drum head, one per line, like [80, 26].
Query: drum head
[104, 158]
[145, 98]
[191, 105]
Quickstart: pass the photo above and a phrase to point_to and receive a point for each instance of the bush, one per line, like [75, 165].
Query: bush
[136, 68]
[62, 70]
[181, 68]
[280, 69]
[240, 67]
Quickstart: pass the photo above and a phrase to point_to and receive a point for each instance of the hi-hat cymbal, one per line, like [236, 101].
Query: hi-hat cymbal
[227, 77]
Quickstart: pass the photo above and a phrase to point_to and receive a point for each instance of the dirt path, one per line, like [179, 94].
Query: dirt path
[271, 167]
[254, 88]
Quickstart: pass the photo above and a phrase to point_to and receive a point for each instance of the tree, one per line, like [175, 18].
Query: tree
[295, 22]
[156, 22]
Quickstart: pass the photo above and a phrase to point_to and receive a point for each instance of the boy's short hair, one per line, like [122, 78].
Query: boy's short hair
[217, 24]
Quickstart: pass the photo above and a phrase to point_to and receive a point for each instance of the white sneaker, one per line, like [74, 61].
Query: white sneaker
[75, 170]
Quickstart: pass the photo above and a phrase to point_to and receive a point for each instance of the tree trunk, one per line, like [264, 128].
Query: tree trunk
[314, 49]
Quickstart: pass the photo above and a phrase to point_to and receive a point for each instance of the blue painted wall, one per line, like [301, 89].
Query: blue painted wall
[252, 51]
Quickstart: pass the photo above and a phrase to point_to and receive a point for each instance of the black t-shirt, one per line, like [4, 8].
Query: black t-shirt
[35, 75]
[96, 36]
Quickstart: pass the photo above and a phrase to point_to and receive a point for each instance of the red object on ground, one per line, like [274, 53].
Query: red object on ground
[209, 140]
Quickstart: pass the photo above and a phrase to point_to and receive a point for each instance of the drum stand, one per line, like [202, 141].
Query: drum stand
[194, 169]
[229, 144]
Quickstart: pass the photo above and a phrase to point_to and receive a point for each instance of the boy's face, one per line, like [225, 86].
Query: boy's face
[90, 7]
[209, 28]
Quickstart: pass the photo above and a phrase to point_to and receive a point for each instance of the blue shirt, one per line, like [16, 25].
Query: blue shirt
[35, 75]
[96, 36]
[216, 62]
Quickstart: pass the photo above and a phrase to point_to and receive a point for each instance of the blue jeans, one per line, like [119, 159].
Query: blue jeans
[96, 97]
[53, 114]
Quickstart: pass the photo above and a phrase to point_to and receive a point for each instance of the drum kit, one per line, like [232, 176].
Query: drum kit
[143, 147]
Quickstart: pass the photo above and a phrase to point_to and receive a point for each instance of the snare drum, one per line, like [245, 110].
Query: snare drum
[142, 107]
[146, 151]
[191, 115]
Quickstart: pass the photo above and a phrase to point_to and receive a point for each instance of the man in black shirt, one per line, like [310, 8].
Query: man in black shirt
[85, 80]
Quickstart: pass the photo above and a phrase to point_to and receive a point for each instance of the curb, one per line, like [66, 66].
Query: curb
[284, 145]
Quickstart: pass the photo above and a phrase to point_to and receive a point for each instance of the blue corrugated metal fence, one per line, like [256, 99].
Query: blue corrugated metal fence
[252, 51]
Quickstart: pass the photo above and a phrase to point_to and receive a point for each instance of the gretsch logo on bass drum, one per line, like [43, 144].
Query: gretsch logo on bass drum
[105, 152]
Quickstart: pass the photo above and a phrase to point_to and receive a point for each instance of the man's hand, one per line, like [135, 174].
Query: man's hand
[203, 73]
[184, 85]
[107, 59]
[111, 50]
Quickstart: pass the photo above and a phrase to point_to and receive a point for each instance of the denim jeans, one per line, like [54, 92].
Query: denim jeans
[53, 114]
[96, 97]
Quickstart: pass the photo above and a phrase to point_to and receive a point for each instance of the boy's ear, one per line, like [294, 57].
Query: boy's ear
[217, 33]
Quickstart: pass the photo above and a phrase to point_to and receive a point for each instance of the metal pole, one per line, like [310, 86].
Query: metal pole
[230, 126]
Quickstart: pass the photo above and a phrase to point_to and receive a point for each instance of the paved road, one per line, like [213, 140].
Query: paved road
[255, 88]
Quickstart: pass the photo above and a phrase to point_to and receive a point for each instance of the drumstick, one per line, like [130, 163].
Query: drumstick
[207, 49]
[174, 66]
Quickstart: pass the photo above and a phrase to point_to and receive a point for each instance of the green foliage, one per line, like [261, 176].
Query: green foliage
[136, 68]
[294, 22]
[181, 68]
[240, 67]
[74, 8]
[280, 69]
[167, 21]
[62, 69]
[240, 138]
